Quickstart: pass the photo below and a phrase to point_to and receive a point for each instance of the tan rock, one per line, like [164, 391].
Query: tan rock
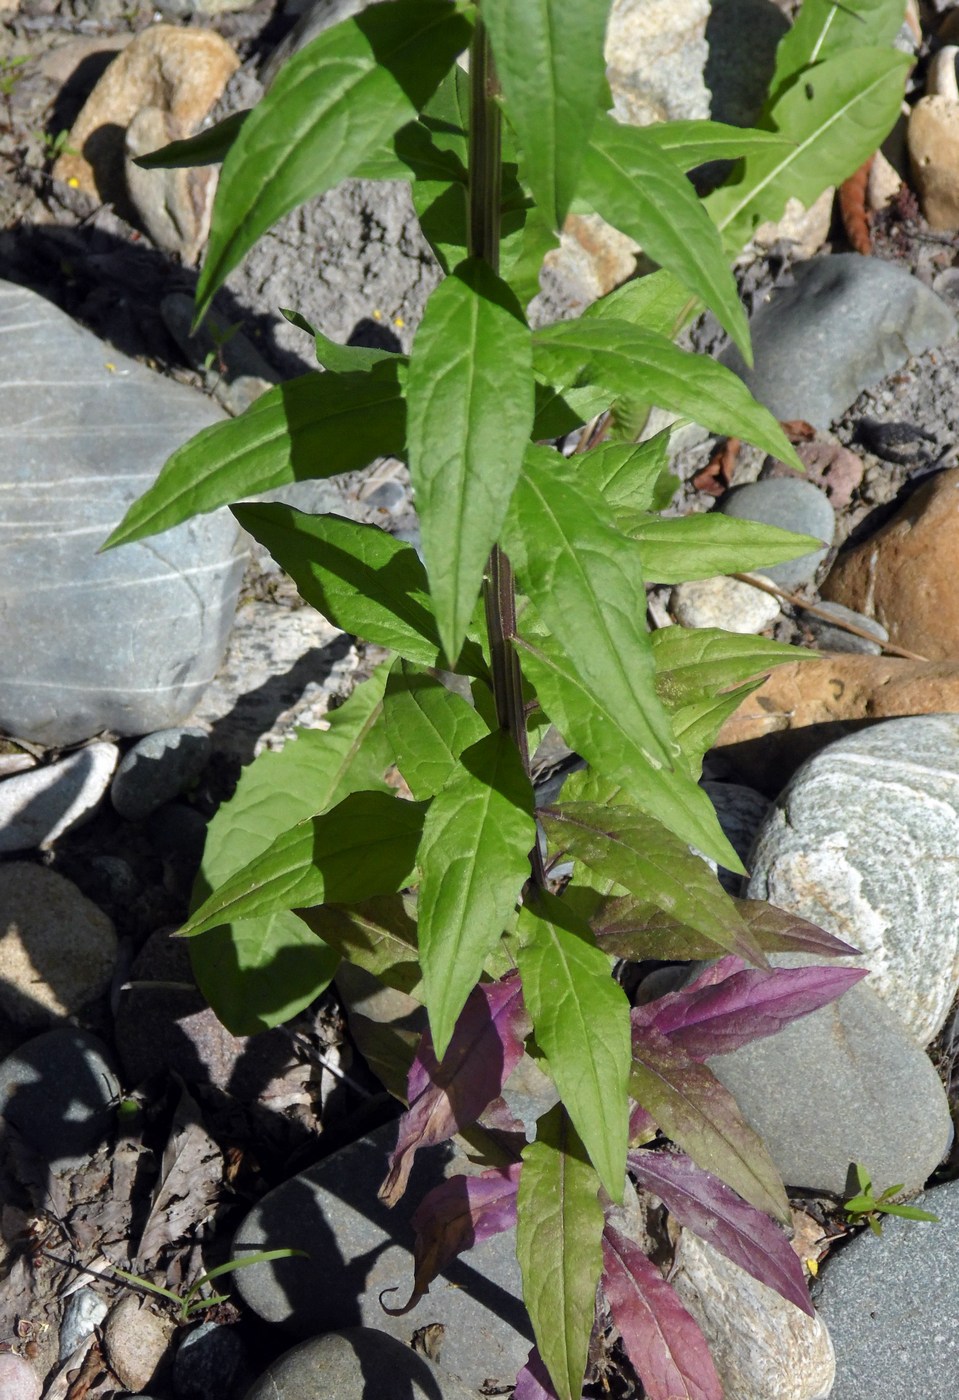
[181, 71]
[804, 706]
[933, 137]
[174, 206]
[593, 257]
[884, 183]
[808, 228]
[905, 574]
[136, 1339]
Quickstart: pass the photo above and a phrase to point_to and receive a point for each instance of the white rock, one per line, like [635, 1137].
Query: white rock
[723, 602]
[39, 806]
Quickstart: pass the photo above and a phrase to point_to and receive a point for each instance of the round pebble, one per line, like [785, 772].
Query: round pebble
[792, 504]
[82, 1311]
[58, 1091]
[18, 1379]
[827, 637]
[207, 1361]
[723, 602]
[157, 769]
[39, 806]
[355, 1364]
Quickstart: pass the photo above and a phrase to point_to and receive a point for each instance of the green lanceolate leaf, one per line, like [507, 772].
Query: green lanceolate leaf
[428, 727]
[334, 104]
[581, 1023]
[837, 115]
[695, 664]
[314, 426]
[692, 1107]
[207, 147]
[825, 29]
[473, 861]
[658, 302]
[341, 359]
[358, 576]
[364, 846]
[692, 143]
[641, 855]
[256, 973]
[699, 546]
[633, 185]
[669, 794]
[619, 356]
[696, 725]
[378, 935]
[559, 1229]
[470, 409]
[632, 475]
[550, 64]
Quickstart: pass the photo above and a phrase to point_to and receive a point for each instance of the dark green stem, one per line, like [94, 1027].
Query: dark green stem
[499, 591]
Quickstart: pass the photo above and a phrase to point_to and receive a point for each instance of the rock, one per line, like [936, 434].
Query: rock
[890, 1304]
[207, 1362]
[178, 833]
[723, 602]
[82, 1312]
[762, 1345]
[806, 229]
[358, 1248]
[18, 1379]
[57, 949]
[136, 1339]
[904, 575]
[862, 842]
[807, 704]
[828, 465]
[845, 324]
[235, 370]
[355, 1363]
[173, 206]
[883, 184]
[829, 637]
[792, 504]
[592, 259]
[741, 811]
[39, 806]
[157, 769]
[933, 135]
[180, 71]
[125, 641]
[58, 1091]
[846, 1084]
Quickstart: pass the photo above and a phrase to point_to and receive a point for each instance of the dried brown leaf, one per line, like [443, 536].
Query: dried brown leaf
[190, 1176]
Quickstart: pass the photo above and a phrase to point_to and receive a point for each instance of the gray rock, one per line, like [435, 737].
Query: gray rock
[128, 640]
[741, 811]
[58, 1091]
[355, 1364]
[157, 769]
[863, 842]
[762, 1345]
[792, 504]
[207, 1362]
[826, 637]
[236, 372]
[359, 1249]
[39, 806]
[892, 1306]
[846, 1084]
[846, 323]
[82, 1312]
[723, 602]
[57, 948]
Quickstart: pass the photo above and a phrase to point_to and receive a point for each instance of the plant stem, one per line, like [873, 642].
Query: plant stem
[499, 590]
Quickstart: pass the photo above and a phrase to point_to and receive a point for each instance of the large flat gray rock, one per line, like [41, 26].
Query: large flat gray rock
[125, 641]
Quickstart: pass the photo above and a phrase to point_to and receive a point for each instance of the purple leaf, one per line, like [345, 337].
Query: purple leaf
[662, 1341]
[456, 1215]
[730, 1005]
[444, 1097]
[642, 1125]
[709, 1208]
[533, 1382]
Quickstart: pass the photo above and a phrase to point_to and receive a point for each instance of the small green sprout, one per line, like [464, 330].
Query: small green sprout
[9, 73]
[188, 1304]
[867, 1208]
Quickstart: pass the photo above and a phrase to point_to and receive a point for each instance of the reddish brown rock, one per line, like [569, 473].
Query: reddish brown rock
[905, 575]
[804, 706]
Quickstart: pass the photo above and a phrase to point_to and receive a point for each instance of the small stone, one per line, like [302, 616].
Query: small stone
[180, 71]
[891, 1305]
[18, 1379]
[57, 949]
[207, 1362]
[761, 1344]
[39, 806]
[59, 1091]
[157, 769]
[357, 1363]
[905, 574]
[829, 465]
[827, 637]
[792, 504]
[806, 229]
[723, 602]
[862, 843]
[136, 1339]
[82, 1312]
[178, 833]
[741, 811]
[884, 183]
[845, 1084]
[234, 354]
[173, 206]
[845, 323]
[933, 135]
[358, 1248]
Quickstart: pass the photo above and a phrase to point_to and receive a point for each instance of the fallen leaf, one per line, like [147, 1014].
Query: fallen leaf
[190, 1177]
[716, 476]
[854, 211]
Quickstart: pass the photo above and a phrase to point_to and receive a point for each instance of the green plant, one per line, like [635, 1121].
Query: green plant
[865, 1208]
[56, 145]
[532, 593]
[188, 1304]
